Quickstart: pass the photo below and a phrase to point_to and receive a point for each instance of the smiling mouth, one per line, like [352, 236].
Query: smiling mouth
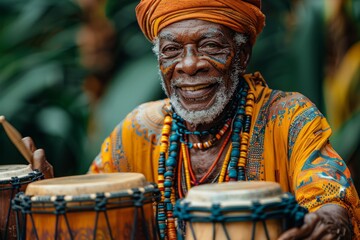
[195, 88]
[197, 93]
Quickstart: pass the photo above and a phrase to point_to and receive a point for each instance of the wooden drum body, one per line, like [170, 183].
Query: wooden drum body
[92, 206]
[13, 179]
[237, 210]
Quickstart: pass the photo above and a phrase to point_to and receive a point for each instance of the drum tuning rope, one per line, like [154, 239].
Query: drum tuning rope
[15, 138]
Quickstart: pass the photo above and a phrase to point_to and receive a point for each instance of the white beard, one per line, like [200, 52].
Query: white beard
[223, 96]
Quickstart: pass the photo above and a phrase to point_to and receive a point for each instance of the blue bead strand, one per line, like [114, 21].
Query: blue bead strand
[234, 172]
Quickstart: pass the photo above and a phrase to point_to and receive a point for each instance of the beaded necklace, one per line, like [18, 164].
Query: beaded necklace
[181, 130]
[174, 156]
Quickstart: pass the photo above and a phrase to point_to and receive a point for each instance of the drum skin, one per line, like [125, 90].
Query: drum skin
[81, 194]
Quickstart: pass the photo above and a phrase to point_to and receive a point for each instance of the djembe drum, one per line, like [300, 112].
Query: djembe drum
[92, 206]
[13, 179]
[237, 210]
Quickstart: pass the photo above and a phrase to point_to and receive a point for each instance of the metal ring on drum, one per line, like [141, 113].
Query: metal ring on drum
[237, 210]
[91, 206]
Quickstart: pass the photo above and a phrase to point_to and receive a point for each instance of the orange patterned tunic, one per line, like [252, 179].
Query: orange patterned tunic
[289, 144]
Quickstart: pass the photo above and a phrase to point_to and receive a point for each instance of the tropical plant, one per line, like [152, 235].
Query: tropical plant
[40, 80]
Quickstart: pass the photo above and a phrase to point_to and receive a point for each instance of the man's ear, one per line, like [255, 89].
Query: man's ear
[245, 54]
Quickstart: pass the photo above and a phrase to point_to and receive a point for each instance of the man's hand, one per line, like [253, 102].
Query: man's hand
[329, 222]
[39, 159]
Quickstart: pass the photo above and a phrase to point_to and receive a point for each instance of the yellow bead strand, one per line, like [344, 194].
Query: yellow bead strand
[186, 166]
[224, 166]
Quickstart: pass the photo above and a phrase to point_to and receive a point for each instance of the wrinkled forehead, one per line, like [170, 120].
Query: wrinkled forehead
[194, 28]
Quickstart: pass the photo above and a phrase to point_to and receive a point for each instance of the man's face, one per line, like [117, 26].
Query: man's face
[197, 61]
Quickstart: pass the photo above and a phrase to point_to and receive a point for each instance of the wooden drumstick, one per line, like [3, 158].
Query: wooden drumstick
[15, 138]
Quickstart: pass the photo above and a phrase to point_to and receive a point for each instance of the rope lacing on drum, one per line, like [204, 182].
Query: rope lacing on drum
[138, 197]
[138, 200]
[216, 216]
[26, 209]
[259, 215]
[35, 175]
[21, 204]
[156, 194]
[100, 202]
[216, 213]
[60, 209]
[15, 182]
[294, 211]
[286, 209]
[60, 205]
[100, 206]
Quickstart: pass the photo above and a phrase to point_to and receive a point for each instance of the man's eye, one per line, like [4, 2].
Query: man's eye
[170, 51]
[210, 45]
[210, 48]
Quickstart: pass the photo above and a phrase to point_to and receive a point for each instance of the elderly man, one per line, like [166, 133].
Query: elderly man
[220, 124]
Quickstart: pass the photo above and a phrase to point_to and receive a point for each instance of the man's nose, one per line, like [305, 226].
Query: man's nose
[191, 62]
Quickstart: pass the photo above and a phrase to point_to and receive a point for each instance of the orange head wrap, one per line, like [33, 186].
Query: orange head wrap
[242, 16]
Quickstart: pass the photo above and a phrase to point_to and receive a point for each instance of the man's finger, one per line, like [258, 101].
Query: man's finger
[40, 163]
[29, 143]
[310, 221]
[38, 159]
[320, 232]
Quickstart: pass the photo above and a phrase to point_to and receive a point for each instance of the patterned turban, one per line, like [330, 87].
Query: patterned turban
[242, 16]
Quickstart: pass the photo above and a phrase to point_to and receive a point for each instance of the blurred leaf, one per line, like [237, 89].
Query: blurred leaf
[41, 80]
[30, 84]
[346, 141]
[136, 83]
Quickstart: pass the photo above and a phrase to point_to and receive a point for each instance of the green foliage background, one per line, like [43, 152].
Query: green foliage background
[41, 80]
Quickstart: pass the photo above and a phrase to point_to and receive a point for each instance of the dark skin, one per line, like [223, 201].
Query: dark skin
[196, 50]
[38, 159]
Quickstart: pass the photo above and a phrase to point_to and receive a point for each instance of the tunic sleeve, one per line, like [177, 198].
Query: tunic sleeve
[133, 146]
[111, 153]
[319, 174]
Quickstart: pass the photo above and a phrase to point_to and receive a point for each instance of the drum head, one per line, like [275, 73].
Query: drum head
[234, 193]
[86, 184]
[16, 170]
